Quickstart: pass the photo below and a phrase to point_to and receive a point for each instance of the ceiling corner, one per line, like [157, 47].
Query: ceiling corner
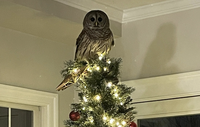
[158, 9]
[115, 15]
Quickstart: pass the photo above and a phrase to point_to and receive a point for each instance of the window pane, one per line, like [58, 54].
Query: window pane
[177, 121]
[21, 118]
[3, 117]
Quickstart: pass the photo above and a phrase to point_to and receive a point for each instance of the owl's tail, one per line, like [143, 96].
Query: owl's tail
[67, 82]
[72, 78]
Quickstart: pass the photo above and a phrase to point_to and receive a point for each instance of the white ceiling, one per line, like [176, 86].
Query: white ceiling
[127, 4]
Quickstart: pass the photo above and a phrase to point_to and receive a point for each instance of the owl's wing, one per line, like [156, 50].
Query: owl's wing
[78, 42]
[113, 43]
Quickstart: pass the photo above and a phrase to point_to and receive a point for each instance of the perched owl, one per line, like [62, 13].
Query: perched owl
[96, 37]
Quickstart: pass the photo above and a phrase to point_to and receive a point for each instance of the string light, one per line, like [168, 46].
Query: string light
[101, 56]
[97, 68]
[116, 95]
[111, 120]
[97, 97]
[105, 68]
[91, 119]
[117, 123]
[109, 84]
[108, 61]
[123, 123]
[105, 118]
[75, 70]
[83, 108]
[121, 103]
[85, 99]
[89, 69]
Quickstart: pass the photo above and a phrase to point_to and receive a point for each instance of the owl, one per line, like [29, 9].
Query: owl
[96, 37]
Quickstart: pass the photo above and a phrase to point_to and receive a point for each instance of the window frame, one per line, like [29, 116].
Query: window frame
[34, 109]
[47, 102]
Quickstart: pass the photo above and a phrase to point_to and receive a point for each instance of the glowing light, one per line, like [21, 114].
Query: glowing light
[112, 120]
[116, 95]
[121, 103]
[85, 99]
[83, 108]
[97, 97]
[91, 119]
[75, 70]
[117, 123]
[120, 126]
[104, 118]
[97, 68]
[101, 56]
[108, 61]
[105, 69]
[89, 69]
[109, 84]
[123, 123]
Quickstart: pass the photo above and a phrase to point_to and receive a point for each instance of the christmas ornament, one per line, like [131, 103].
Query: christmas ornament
[74, 116]
[132, 124]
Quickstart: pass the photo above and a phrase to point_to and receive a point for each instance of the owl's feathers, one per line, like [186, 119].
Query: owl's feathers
[95, 39]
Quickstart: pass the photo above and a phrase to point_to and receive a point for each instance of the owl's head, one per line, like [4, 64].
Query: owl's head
[96, 19]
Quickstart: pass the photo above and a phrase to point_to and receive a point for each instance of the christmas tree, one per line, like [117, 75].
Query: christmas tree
[104, 100]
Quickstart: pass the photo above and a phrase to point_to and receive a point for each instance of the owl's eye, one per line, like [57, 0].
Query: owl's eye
[100, 19]
[92, 19]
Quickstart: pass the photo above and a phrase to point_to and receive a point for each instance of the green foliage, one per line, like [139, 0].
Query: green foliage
[102, 96]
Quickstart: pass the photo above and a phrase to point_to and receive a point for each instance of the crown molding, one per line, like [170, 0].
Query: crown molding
[137, 13]
[87, 5]
[158, 9]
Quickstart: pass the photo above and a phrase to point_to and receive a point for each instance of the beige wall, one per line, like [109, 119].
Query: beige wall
[151, 47]
[32, 62]
[161, 45]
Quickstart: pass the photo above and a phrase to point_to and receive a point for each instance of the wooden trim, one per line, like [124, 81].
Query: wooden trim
[171, 95]
[48, 102]
[166, 87]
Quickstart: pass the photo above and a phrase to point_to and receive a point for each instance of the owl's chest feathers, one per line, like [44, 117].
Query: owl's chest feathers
[99, 34]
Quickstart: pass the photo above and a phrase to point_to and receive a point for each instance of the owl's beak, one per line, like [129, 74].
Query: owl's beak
[96, 24]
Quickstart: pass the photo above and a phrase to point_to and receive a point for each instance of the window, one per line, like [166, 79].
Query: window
[18, 115]
[40, 107]
[175, 121]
